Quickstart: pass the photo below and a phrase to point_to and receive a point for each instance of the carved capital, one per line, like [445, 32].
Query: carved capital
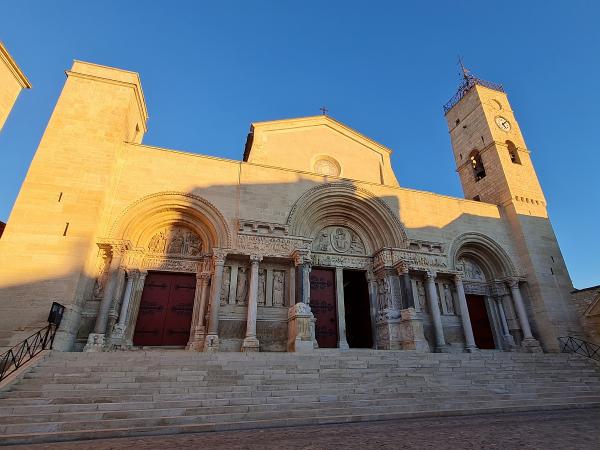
[512, 283]
[458, 277]
[133, 273]
[301, 257]
[430, 275]
[218, 256]
[401, 267]
[255, 259]
[115, 246]
[204, 276]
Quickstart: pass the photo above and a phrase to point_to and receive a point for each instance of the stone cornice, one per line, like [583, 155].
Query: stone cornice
[13, 67]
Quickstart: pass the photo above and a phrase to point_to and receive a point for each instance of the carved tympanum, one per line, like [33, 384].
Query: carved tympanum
[471, 269]
[338, 239]
[176, 240]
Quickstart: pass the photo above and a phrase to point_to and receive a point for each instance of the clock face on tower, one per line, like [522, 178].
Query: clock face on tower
[502, 123]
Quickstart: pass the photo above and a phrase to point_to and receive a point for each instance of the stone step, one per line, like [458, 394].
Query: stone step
[82, 395]
[121, 420]
[95, 411]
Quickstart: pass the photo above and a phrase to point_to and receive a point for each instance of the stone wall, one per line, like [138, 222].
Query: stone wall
[587, 303]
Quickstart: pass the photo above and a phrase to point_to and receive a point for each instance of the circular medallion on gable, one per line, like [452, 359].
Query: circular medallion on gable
[327, 167]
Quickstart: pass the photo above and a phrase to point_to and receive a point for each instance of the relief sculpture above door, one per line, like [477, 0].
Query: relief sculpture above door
[338, 239]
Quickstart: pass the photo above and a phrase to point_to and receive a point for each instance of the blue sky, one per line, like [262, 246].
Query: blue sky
[209, 69]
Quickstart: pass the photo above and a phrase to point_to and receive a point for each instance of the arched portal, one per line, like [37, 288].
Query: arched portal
[347, 226]
[170, 238]
[484, 265]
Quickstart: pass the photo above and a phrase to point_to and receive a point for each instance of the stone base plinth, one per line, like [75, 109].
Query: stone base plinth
[250, 344]
[531, 345]
[412, 336]
[117, 337]
[211, 343]
[196, 342]
[95, 343]
[301, 329]
[388, 334]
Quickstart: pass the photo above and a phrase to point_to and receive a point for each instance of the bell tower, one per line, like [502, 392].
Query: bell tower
[491, 156]
[495, 166]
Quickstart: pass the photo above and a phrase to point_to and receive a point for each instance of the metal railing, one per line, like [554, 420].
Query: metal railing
[570, 344]
[41, 340]
[468, 82]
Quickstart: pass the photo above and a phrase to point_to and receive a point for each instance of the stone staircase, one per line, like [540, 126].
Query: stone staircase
[71, 396]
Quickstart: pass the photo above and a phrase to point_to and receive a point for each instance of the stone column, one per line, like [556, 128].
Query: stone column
[509, 341]
[372, 284]
[117, 300]
[251, 343]
[134, 309]
[529, 342]
[96, 340]
[341, 308]
[434, 308]
[464, 314]
[405, 285]
[211, 342]
[303, 263]
[198, 328]
[118, 332]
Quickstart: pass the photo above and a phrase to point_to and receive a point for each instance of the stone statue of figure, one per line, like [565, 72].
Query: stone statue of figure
[176, 244]
[421, 296]
[448, 299]
[241, 292]
[381, 295]
[158, 242]
[225, 285]
[262, 281]
[324, 241]
[278, 286]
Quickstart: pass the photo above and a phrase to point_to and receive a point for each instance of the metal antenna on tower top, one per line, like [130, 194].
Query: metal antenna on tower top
[466, 73]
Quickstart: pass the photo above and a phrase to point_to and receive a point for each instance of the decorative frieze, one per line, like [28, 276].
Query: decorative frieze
[171, 265]
[272, 246]
[349, 262]
[253, 226]
[421, 260]
[426, 246]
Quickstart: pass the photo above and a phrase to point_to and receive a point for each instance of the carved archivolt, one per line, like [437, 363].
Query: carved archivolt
[346, 205]
[490, 257]
[140, 220]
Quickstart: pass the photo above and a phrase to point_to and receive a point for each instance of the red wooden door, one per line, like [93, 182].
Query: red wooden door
[165, 314]
[323, 305]
[480, 322]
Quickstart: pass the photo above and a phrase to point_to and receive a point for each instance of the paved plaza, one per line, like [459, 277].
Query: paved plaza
[567, 429]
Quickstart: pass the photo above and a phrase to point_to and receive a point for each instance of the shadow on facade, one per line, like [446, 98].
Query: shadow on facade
[252, 245]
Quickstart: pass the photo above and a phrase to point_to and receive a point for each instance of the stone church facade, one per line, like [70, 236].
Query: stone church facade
[308, 242]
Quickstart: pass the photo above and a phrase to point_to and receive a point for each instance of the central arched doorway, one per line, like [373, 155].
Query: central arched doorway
[346, 225]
